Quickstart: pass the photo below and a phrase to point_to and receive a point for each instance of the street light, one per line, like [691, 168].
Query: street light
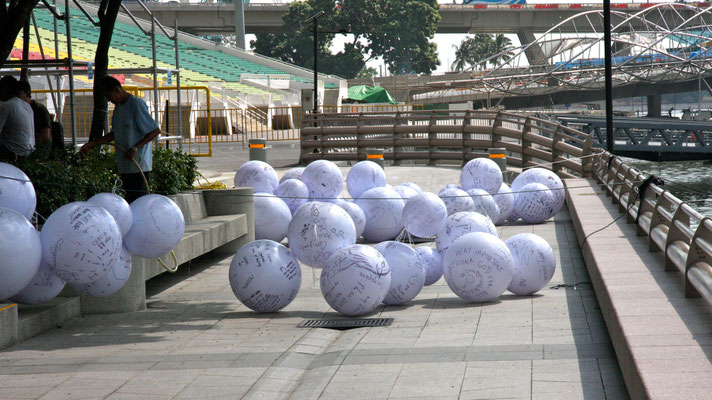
[314, 20]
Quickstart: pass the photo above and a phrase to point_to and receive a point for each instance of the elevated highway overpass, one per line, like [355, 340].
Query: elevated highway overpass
[219, 18]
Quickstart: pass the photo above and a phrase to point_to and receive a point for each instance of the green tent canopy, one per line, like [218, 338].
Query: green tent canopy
[370, 94]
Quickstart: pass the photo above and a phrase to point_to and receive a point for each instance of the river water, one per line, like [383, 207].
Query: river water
[690, 181]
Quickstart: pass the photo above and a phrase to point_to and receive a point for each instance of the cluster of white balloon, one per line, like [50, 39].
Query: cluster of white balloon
[322, 230]
[86, 245]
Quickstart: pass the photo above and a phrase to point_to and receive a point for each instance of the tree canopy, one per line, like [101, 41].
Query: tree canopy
[13, 16]
[397, 31]
[480, 50]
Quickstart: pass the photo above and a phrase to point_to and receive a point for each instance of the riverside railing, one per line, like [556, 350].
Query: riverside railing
[446, 136]
[680, 233]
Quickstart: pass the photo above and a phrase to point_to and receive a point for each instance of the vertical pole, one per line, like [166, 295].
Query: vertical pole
[25, 72]
[239, 23]
[155, 74]
[72, 111]
[180, 114]
[316, 74]
[608, 73]
[58, 107]
[699, 93]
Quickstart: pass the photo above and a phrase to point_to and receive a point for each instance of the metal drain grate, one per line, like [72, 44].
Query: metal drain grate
[343, 324]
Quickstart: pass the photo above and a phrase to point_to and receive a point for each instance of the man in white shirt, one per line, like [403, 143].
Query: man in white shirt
[17, 130]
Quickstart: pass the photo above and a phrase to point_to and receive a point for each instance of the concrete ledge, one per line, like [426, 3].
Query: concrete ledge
[8, 324]
[663, 341]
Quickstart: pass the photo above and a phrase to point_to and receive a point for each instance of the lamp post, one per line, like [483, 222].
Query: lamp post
[608, 73]
[314, 19]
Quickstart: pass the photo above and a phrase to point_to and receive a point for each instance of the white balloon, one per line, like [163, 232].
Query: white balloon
[460, 224]
[405, 192]
[355, 280]
[20, 252]
[364, 175]
[481, 173]
[43, 287]
[424, 215]
[478, 267]
[158, 226]
[294, 173]
[407, 272]
[534, 263]
[484, 203]
[546, 178]
[534, 203]
[81, 242]
[449, 186]
[265, 276]
[318, 230]
[384, 210]
[356, 213]
[505, 203]
[272, 217]
[112, 281]
[513, 216]
[294, 193]
[117, 207]
[324, 180]
[258, 175]
[432, 262]
[16, 191]
[412, 185]
[456, 200]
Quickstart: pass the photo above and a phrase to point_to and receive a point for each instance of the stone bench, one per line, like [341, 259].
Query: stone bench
[216, 220]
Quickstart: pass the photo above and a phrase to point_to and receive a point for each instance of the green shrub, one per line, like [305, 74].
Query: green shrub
[60, 178]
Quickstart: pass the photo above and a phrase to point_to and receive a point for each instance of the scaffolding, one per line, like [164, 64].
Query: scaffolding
[69, 66]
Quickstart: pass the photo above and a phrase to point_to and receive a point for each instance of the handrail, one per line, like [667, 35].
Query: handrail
[448, 135]
[86, 13]
[680, 233]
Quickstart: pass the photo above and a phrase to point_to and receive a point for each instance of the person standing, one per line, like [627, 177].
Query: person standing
[17, 130]
[133, 129]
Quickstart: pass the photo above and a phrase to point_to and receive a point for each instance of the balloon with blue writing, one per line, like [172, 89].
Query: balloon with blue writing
[546, 178]
[460, 224]
[456, 200]
[272, 217]
[534, 203]
[81, 242]
[481, 173]
[478, 267]
[363, 176]
[42, 288]
[484, 203]
[318, 230]
[355, 280]
[111, 282]
[324, 180]
[294, 173]
[505, 203]
[265, 276]
[158, 226]
[412, 185]
[117, 207]
[384, 211]
[16, 191]
[449, 186]
[258, 175]
[356, 213]
[405, 192]
[294, 193]
[407, 272]
[424, 215]
[20, 252]
[534, 263]
[432, 262]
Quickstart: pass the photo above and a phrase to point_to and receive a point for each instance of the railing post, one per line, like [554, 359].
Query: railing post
[587, 162]
[555, 153]
[526, 129]
[431, 136]
[497, 123]
[396, 136]
[360, 151]
[695, 255]
[466, 150]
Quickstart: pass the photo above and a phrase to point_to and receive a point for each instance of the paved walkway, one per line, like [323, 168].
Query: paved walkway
[196, 340]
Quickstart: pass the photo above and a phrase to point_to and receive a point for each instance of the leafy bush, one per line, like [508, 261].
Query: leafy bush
[62, 177]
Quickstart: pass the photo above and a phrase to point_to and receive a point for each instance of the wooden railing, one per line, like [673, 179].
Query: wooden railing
[672, 227]
[446, 136]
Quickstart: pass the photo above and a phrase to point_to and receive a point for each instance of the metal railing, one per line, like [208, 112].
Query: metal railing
[679, 232]
[435, 136]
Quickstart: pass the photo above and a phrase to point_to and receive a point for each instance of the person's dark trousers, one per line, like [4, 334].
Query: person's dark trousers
[6, 155]
[134, 186]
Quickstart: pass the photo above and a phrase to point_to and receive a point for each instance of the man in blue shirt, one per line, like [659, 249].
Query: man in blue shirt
[133, 129]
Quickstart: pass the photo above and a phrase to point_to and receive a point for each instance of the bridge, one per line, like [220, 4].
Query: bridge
[219, 18]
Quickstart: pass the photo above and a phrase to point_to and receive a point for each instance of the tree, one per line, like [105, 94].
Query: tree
[501, 47]
[14, 14]
[108, 10]
[379, 29]
[481, 49]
